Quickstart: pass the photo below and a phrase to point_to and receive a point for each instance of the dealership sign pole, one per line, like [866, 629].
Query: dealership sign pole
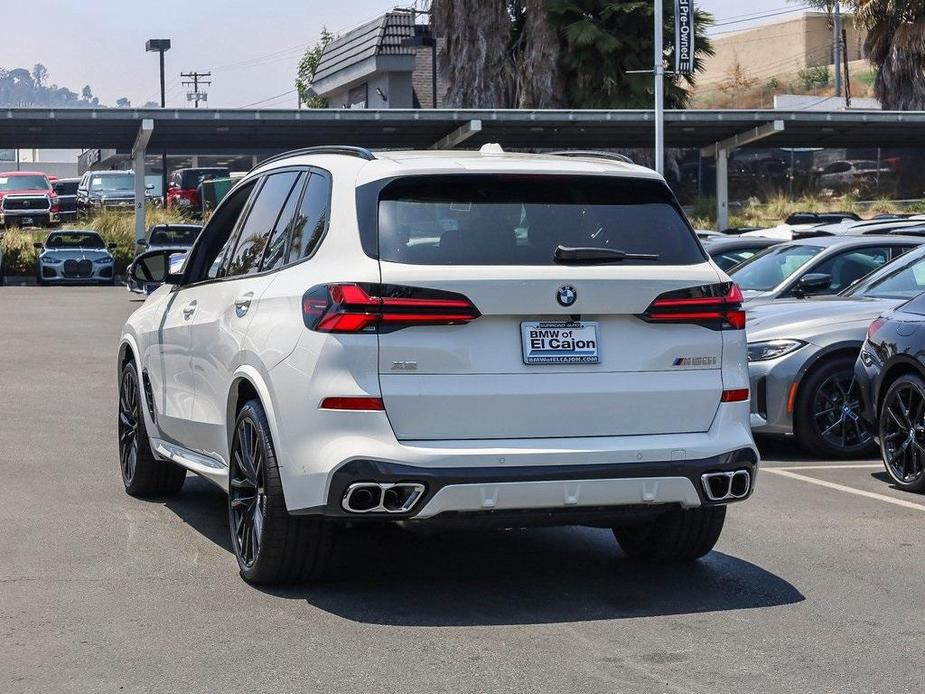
[683, 37]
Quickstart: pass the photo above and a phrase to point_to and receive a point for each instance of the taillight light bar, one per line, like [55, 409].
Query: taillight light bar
[715, 306]
[358, 308]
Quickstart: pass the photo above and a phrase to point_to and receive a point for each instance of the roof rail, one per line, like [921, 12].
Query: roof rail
[613, 156]
[346, 150]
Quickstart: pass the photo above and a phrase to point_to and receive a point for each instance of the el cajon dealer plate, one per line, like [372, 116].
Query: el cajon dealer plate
[559, 342]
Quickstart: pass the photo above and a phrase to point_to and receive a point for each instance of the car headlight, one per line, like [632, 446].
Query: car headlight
[102, 261]
[51, 260]
[772, 349]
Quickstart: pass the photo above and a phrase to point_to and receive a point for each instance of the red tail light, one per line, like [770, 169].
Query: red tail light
[355, 308]
[715, 306]
[736, 395]
[352, 403]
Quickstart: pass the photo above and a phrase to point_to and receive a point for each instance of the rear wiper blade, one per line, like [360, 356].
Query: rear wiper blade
[566, 255]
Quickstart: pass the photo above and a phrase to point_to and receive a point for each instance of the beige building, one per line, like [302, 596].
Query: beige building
[781, 48]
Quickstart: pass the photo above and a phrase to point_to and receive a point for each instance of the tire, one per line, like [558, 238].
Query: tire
[902, 410]
[271, 546]
[826, 419]
[679, 535]
[142, 474]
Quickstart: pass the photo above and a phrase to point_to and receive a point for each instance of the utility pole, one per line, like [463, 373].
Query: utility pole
[659, 87]
[844, 46]
[194, 79]
[836, 48]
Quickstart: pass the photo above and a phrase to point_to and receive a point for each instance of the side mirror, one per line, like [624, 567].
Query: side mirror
[149, 186]
[154, 267]
[112, 246]
[812, 283]
[37, 246]
[142, 243]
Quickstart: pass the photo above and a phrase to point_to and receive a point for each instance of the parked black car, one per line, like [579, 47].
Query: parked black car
[66, 189]
[105, 190]
[168, 236]
[890, 373]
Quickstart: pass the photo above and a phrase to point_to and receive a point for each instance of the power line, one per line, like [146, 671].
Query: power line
[742, 18]
[271, 98]
[194, 80]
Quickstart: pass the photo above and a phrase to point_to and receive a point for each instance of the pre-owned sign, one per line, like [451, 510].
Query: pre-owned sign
[684, 37]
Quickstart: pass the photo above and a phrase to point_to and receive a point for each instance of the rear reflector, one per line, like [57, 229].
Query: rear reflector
[715, 306]
[735, 395]
[352, 403]
[875, 326]
[357, 308]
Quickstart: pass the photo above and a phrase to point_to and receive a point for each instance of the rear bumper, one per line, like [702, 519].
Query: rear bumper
[548, 488]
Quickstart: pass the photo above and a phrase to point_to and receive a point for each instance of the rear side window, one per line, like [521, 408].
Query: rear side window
[260, 222]
[312, 217]
[279, 239]
[520, 220]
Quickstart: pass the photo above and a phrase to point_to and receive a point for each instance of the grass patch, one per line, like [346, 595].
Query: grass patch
[19, 256]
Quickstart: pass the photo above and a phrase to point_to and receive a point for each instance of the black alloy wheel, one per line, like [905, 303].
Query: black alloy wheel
[129, 414]
[828, 419]
[247, 491]
[902, 433]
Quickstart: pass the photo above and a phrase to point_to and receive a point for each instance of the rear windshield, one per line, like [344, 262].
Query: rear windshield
[766, 270]
[193, 177]
[171, 236]
[521, 220]
[74, 239]
[23, 182]
[66, 187]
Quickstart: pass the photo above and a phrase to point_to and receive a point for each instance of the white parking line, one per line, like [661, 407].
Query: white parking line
[843, 488]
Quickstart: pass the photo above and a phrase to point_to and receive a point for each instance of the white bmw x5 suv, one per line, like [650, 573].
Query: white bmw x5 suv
[441, 336]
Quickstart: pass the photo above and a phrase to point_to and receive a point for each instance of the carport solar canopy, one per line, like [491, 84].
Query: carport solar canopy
[228, 131]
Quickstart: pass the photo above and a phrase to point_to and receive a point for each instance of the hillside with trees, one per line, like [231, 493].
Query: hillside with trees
[24, 88]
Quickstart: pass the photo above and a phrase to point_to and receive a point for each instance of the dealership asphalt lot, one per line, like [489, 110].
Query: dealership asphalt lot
[814, 586]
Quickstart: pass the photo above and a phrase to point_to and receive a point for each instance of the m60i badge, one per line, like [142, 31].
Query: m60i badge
[696, 361]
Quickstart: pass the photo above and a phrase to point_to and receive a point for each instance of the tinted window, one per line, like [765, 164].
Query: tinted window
[312, 217]
[66, 187]
[279, 239]
[173, 236]
[848, 267]
[216, 237]
[902, 283]
[730, 259]
[74, 239]
[521, 220]
[261, 219]
[191, 178]
[768, 269]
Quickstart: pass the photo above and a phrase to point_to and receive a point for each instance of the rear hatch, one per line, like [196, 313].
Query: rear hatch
[559, 348]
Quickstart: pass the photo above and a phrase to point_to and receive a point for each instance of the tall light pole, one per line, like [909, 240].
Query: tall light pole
[659, 87]
[161, 46]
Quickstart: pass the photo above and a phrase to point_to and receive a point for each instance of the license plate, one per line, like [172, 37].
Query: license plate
[559, 342]
[27, 220]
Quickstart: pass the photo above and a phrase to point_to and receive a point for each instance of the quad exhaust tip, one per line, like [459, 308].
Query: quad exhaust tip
[722, 486]
[382, 497]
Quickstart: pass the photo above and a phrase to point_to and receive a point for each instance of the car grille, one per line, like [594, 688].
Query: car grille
[35, 203]
[78, 268]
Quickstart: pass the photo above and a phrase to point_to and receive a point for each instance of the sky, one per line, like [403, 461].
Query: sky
[251, 48]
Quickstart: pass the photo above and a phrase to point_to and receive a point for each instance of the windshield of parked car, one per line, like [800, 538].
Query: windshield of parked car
[729, 259]
[37, 182]
[766, 270]
[497, 219]
[66, 187]
[112, 182]
[904, 282]
[173, 236]
[75, 239]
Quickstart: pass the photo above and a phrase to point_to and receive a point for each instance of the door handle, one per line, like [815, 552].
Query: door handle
[189, 310]
[242, 304]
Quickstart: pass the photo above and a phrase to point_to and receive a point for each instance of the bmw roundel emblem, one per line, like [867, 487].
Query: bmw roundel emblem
[566, 295]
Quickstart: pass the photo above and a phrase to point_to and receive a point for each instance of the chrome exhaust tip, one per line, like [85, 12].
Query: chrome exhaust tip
[382, 497]
[721, 486]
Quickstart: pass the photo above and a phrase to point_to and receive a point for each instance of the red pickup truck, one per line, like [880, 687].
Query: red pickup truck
[27, 199]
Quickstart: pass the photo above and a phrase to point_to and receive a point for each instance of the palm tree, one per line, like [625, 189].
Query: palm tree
[895, 44]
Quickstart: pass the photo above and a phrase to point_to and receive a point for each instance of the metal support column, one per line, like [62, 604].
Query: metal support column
[138, 166]
[720, 151]
[458, 136]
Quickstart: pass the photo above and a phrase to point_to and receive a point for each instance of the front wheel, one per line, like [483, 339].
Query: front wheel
[827, 417]
[679, 535]
[271, 546]
[902, 433]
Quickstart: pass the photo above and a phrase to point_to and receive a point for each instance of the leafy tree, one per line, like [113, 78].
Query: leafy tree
[123, 102]
[736, 82]
[39, 74]
[308, 65]
[895, 44]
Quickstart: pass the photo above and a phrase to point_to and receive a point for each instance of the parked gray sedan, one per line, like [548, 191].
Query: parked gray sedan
[815, 267]
[801, 359]
[76, 255]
